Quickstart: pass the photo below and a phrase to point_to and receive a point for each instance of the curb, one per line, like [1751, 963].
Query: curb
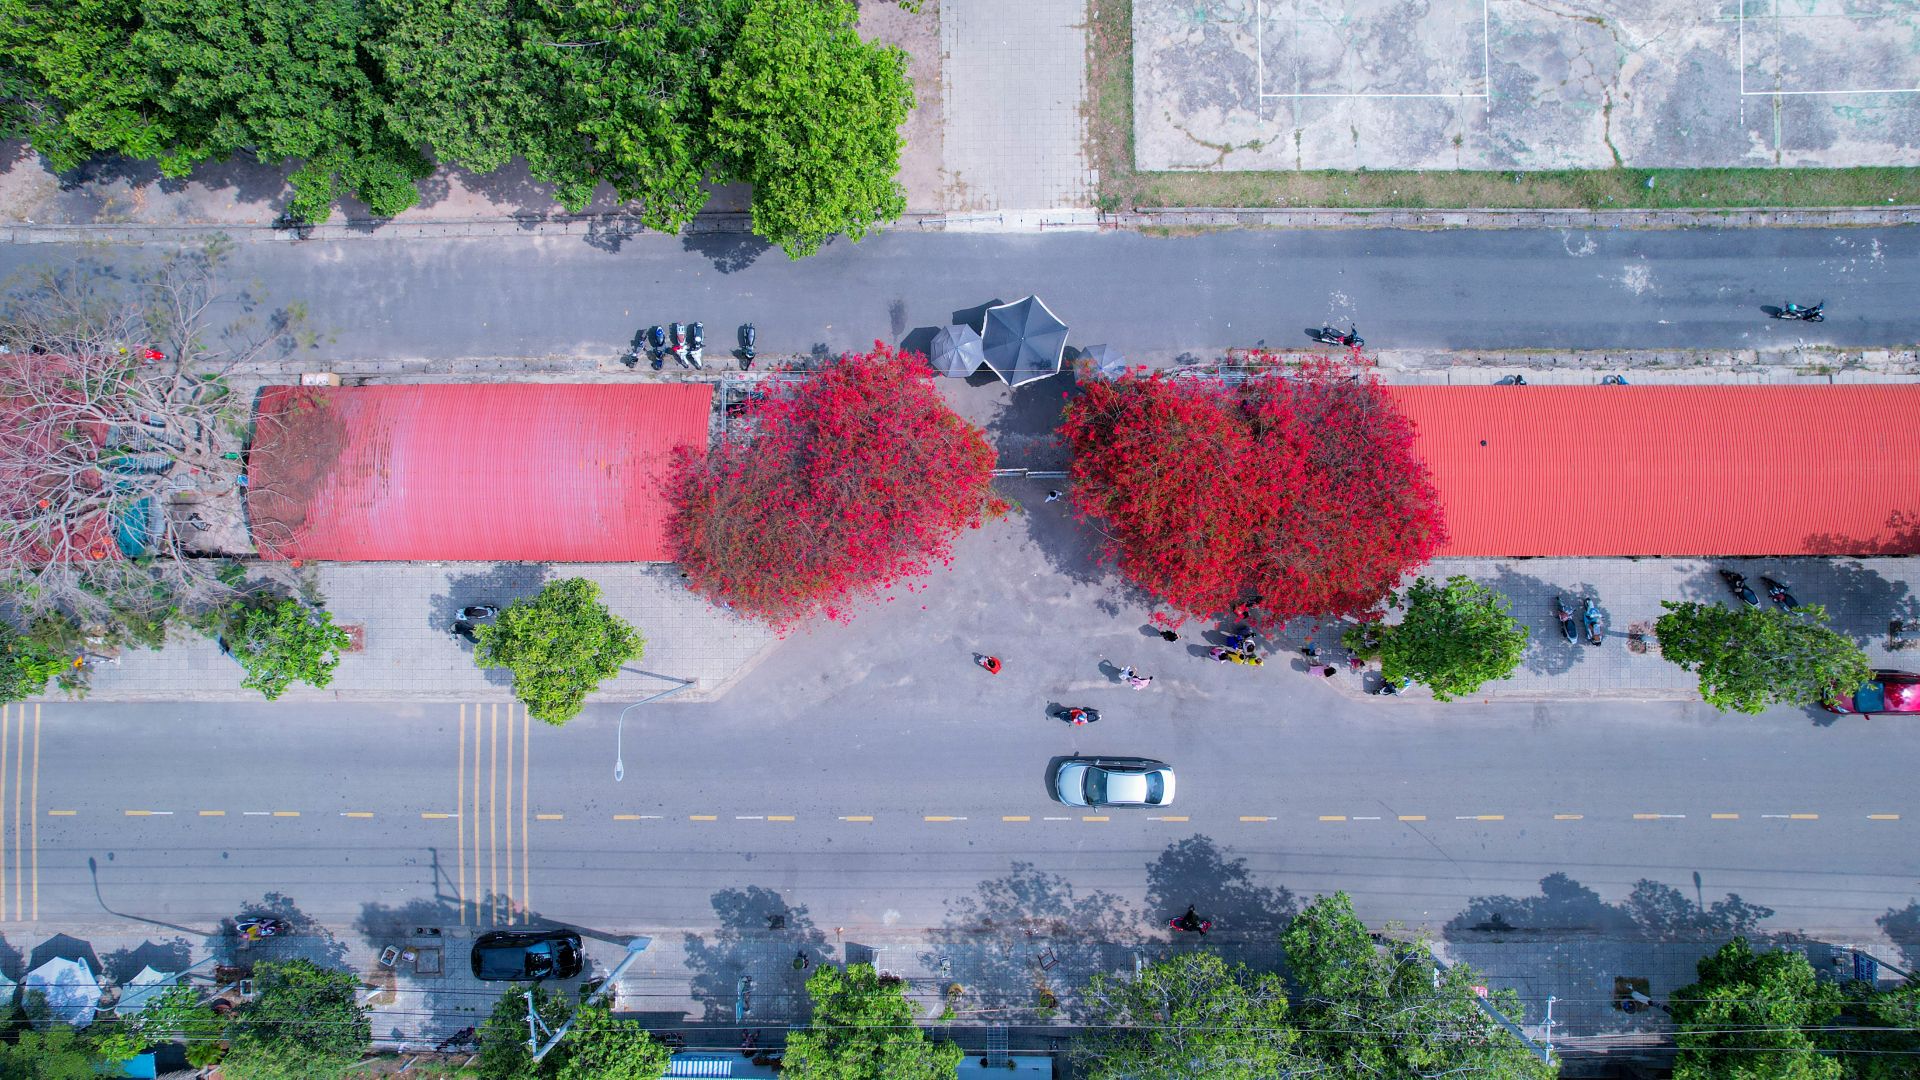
[610, 230]
[1754, 217]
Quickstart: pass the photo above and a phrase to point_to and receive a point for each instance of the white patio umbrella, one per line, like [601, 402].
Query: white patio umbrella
[69, 987]
[142, 990]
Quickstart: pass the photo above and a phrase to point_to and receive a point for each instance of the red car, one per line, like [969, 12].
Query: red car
[1889, 692]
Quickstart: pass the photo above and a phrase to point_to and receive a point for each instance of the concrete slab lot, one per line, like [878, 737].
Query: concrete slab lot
[1525, 84]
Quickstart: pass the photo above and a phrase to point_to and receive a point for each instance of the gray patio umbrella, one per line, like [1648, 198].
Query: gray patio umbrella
[1023, 341]
[956, 351]
[1106, 360]
[69, 988]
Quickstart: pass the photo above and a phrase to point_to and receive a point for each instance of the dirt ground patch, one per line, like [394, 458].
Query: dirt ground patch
[917, 32]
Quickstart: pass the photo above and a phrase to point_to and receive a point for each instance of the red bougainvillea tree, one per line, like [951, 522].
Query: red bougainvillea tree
[853, 478]
[1294, 493]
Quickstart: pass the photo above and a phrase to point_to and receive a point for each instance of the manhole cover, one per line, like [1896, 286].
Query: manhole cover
[427, 962]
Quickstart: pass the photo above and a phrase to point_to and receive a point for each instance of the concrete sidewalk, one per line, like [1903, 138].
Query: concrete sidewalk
[403, 612]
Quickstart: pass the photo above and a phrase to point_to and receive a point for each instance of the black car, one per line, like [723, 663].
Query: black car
[522, 955]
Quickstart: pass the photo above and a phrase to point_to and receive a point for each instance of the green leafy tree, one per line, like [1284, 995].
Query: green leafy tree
[177, 1013]
[1456, 636]
[279, 641]
[82, 84]
[863, 1029]
[810, 115]
[57, 1053]
[1374, 1009]
[503, 1035]
[288, 81]
[1188, 1016]
[1751, 658]
[454, 78]
[561, 645]
[1886, 1042]
[1746, 1018]
[26, 665]
[303, 1024]
[601, 1046]
[623, 93]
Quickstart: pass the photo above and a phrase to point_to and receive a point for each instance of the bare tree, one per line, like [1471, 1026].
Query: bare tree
[121, 480]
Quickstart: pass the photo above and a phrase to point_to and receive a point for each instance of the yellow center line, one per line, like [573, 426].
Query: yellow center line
[1568, 817]
[138, 813]
[1481, 817]
[213, 813]
[1726, 817]
[1413, 817]
[626, 817]
[1883, 817]
[1170, 817]
[460, 803]
[356, 813]
[943, 817]
[702, 817]
[779, 817]
[1015, 817]
[1803, 817]
[286, 813]
[70, 813]
[1646, 817]
[435, 815]
[1333, 817]
[1095, 817]
[1254, 817]
[857, 817]
[549, 817]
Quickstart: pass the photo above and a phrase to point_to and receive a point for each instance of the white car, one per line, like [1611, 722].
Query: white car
[1097, 782]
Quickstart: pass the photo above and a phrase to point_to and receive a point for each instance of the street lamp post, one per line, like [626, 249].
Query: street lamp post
[620, 726]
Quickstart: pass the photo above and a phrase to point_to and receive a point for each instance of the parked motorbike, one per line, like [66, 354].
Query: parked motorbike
[699, 344]
[253, 929]
[1566, 618]
[1590, 617]
[1077, 715]
[1816, 313]
[1740, 588]
[1191, 922]
[461, 628]
[1777, 592]
[479, 613]
[747, 337]
[657, 345]
[679, 333]
[1327, 335]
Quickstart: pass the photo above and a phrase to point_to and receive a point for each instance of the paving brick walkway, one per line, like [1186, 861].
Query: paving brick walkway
[1862, 596]
[404, 611]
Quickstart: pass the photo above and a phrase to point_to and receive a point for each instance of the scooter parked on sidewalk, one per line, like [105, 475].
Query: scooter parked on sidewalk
[747, 337]
[1327, 335]
[1816, 313]
[699, 348]
[657, 345]
[679, 334]
[1566, 618]
[1777, 592]
[1590, 617]
[1740, 588]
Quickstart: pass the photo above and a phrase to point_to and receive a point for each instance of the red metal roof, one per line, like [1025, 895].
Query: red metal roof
[1673, 470]
[516, 472]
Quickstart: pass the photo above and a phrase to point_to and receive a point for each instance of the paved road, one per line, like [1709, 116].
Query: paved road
[523, 296]
[868, 772]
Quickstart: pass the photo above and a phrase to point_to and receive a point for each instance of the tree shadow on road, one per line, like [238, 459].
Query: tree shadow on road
[308, 940]
[499, 585]
[1248, 916]
[1902, 927]
[1654, 911]
[64, 947]
[1025, 941]
[760, 936]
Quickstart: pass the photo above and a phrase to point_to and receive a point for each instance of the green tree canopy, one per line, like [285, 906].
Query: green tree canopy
[1368, 1009]
[303, 1024]
[279, 641]
[177, 1013]
[1750, 658]
[561, 645]
[1193, 1015]
[454, 77]
[1456, 636]
[503, 1035]
[810, 115]
[25, 665]
[601, 1046]
[1744, 1018]
[863, 1029]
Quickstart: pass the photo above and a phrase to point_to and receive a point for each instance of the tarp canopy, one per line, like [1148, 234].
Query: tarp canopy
[956, 351]
[1023, 341]
[142, 991]
[69, 987]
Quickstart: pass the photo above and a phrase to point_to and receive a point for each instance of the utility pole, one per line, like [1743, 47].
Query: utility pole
[1544, 1053]
[535, 1026]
